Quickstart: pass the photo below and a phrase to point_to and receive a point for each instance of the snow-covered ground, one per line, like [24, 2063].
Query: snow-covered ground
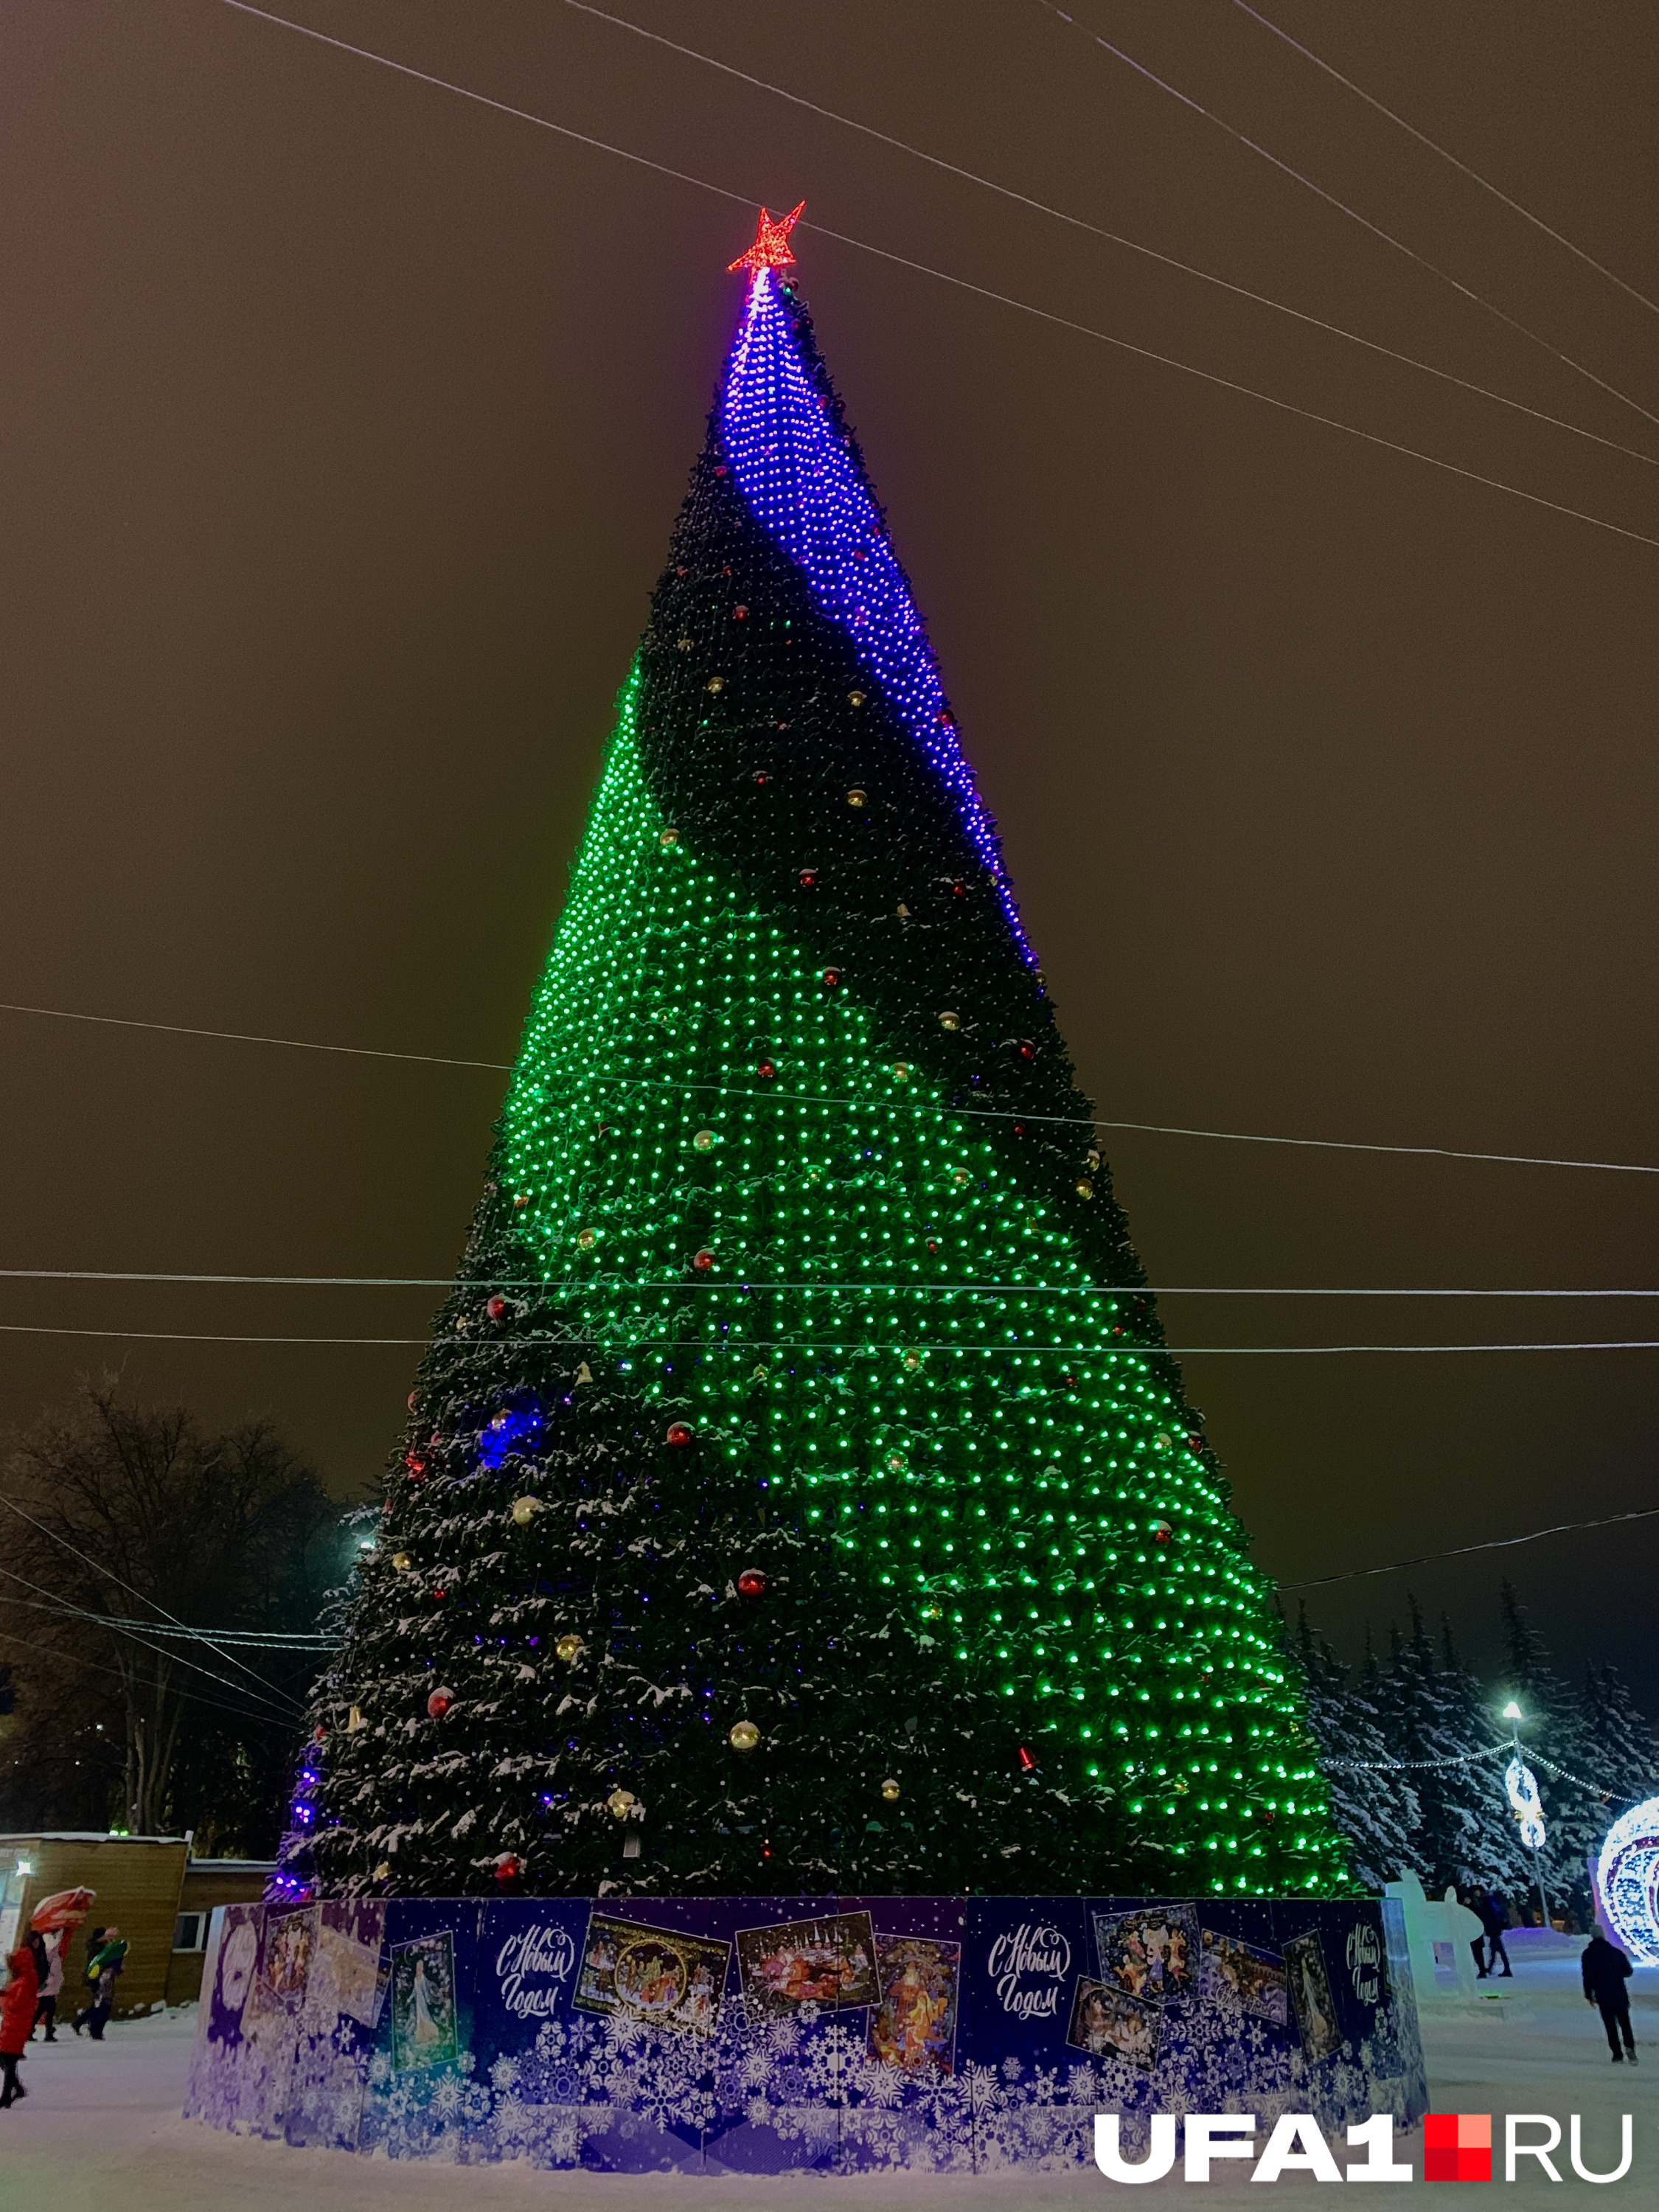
[101, 2127]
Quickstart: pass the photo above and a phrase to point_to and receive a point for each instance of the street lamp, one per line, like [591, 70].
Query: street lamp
[1522, 1785]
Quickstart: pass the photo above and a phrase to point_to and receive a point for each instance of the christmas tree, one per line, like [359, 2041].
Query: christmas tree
[797, 1495]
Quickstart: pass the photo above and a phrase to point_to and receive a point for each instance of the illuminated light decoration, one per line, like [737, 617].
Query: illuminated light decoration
[919, 1448]
[508, 1435]
[1522, 1785]
[798, 476]
[1627, 1881]
[771, 248]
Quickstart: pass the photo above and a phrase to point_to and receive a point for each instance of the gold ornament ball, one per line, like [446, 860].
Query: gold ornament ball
[1085, 1188]
[895, 1462]
[402, 1561]
[621, 1802]
[569, 1649]
[950, 1021]
[961, 1177]
[588, 1238]
[901, 1067]
[890, 1791]
[383, 1872]
[912, 1361]
[703, 1141]
[671, 836]
[857, 798]
[744, 1736]
[1163, 1442]
[525, 1510]
[855, 698]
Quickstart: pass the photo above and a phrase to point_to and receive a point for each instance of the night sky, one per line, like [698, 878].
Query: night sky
[343, 424]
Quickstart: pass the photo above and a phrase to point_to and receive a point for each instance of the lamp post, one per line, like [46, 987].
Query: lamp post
[1522, 1787]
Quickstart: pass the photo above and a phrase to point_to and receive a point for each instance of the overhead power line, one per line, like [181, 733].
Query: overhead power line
[96, 1667]
[108, 1574]
[1354, 214]
[241, 1037]
[1099, 230]
[1462, 167]
[45, 1601]
[762, 1284]
[1462, 1551]
[748, 1344]
[816, 1098]
[961, 284]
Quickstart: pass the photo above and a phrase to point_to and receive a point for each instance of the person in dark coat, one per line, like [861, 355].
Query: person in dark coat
[103, 1964]
[16, 2019]
[1471, 1900]
[1606, 1970]
[1494, 1918]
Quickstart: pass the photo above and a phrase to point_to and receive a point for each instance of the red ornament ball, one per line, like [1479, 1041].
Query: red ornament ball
[508, 1867]
[766, 1071]
[752, 1582]
[440, 1703]
[496, 1308]
[831, 977]
[1163, 1533]
[808, 879]
[704, 1263]
[678, 1435]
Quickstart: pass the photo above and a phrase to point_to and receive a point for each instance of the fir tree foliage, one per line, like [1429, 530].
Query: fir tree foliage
[1451, 1823]
[797, 1492]
[1374, 1808]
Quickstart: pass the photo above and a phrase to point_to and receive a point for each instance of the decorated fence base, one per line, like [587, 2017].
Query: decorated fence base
[774, 2034]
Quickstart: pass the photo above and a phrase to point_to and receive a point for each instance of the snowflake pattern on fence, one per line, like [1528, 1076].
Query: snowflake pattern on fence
[767, 2092]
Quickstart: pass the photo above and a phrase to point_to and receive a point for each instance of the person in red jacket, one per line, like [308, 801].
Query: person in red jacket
[17, 2001]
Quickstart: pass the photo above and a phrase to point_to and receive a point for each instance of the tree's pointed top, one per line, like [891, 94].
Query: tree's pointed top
[771, 248]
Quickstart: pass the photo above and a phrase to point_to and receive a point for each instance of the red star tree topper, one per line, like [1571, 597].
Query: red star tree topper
[771, 248]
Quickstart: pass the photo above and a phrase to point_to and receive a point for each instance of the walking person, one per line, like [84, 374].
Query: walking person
[45, 2005]
[1472, 1902]
[103, 1964]
[17, 2017]
[1494, 1918]
[1606, 1971]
